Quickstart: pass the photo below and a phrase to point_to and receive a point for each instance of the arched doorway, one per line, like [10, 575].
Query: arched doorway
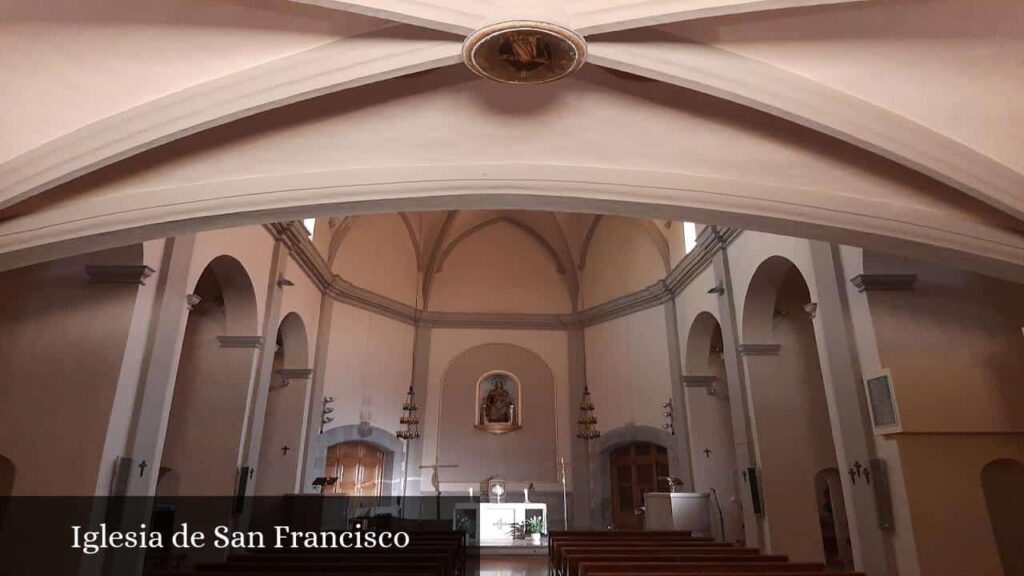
[792, 427]
[635, 470]
[835, 533]
[709, 413]
[1002, 480]
[279, 468]
[211, 389]
[359, 467]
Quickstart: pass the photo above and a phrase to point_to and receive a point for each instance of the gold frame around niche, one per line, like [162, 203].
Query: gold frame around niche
[499, 427]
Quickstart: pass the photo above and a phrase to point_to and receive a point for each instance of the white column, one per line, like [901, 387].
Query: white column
[847, 408]
[160, 367]
[313, 414]
[580, 453]
[740, 404]
[679, 409]
[257, 401]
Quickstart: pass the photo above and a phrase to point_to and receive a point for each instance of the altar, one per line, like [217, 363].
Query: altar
[495, 522]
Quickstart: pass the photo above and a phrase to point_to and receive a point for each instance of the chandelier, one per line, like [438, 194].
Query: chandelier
[409, 421]
[587, 421]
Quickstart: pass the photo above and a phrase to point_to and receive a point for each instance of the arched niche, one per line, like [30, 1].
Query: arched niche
[279, 468]
[386, 441]
[599, 469]
[1002, 481]
[793, 431]
[709, 413]
[835, 529]
[212, 382]
[525, 454]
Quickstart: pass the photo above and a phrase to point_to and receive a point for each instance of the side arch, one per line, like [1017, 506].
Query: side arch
[392, 447]
[600, 468]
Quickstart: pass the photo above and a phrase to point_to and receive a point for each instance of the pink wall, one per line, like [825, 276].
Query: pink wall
[62, 341]
[526, 454]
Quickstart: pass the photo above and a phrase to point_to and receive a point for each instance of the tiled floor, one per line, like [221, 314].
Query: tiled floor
[524, 566]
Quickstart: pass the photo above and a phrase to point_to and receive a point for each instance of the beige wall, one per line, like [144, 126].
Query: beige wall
[628, 369]
[954, 345]
[947, 504]
[62, 341]
[500, 269]
[527, 454]
[622, 259]
[369, 367]
[551, 347]
[377, 254]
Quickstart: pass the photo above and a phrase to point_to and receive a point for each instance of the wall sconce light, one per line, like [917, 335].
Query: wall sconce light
[282, 281]
[717, 289]
[811, 309]
[325, 410]
[670, 417]
[192, 300]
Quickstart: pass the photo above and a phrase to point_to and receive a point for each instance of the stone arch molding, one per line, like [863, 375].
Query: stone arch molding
[240, 306]
[600, 468]
[49, 230]
[698, 343]
[99, 223]
[379, 437]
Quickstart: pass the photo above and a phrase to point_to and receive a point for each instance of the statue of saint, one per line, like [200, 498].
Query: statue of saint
[498, 405]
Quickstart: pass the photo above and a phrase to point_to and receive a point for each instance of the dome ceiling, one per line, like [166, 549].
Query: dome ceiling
[565, 238]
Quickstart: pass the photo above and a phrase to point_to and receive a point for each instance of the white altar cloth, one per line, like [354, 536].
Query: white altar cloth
[495, 520]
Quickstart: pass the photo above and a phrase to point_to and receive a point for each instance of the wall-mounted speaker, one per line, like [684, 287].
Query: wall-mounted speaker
[885, 415]
[754, 482]
[883, 499]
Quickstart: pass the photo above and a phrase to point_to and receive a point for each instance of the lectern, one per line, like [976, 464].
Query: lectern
[325, 481]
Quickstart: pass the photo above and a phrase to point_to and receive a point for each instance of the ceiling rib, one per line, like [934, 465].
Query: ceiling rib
[629, 15]
[432, 15]
[795, 98]
[332, 67]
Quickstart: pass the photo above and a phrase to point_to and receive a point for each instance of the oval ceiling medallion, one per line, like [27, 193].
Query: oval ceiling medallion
[523, 52]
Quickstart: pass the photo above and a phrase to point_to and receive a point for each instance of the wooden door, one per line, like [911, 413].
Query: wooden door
[635, 470]
[359, 467]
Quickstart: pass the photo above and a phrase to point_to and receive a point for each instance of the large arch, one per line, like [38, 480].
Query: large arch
[279, 469]
[599, 472]
[789, 411]
[886, 205]
[709, 415]
[205, 425]
[392, 447]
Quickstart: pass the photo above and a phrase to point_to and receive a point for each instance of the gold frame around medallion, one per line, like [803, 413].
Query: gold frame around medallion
[517, 415]
[483, 35]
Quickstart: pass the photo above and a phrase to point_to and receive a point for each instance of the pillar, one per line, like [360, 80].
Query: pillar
[740, 405]
[847, 406]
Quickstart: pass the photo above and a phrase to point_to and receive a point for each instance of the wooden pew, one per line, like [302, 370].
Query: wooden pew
[679, 568]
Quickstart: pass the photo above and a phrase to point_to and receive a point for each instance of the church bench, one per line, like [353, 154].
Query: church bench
[825, 573]
[396, 567]
[573, 562]
[672, 539]
[559, 552]
[562, 554]
[635, 568]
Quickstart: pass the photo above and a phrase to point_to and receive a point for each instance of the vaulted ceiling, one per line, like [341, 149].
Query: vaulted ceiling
[883, 123]
[565, 238]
